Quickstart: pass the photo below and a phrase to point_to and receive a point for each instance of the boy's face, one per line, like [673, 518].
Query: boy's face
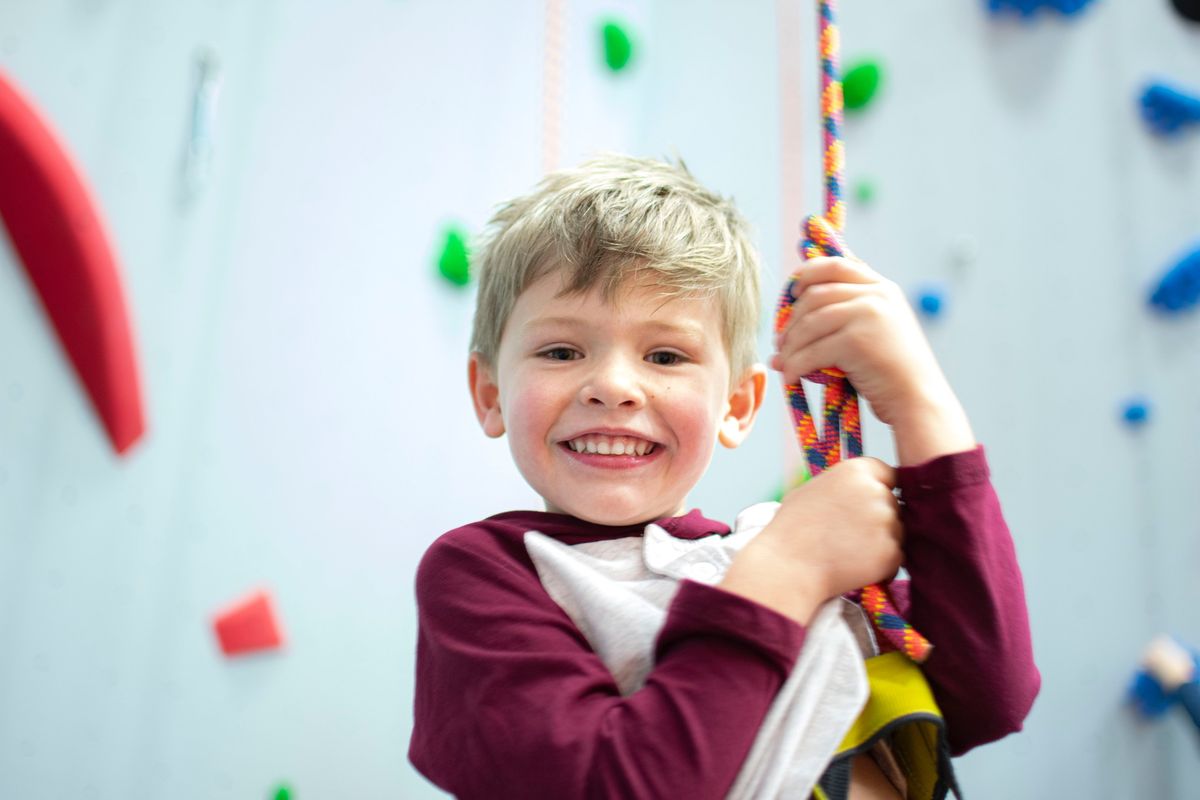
[578, 379]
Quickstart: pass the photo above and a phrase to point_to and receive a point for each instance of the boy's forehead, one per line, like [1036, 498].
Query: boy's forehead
[683, 325]
[643, 303]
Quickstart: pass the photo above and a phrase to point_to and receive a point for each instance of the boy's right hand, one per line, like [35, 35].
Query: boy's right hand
[838, 532]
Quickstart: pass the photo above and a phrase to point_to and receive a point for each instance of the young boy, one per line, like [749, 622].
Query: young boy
[618, 644]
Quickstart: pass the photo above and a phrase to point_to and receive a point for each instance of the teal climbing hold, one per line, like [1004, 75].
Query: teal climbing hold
[454, 264]
[860, 84]
[618, 47]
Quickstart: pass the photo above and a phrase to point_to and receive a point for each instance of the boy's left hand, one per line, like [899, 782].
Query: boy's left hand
[851, 317]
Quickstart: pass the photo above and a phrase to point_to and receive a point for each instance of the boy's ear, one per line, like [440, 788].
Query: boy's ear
[485, 394]
[744, 402]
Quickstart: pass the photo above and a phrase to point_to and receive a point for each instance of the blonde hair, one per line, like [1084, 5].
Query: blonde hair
[611, 219]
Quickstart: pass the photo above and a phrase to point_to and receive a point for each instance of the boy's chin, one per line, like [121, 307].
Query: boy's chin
[614, 517]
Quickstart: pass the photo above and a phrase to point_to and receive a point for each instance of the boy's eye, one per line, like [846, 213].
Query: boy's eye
[664, 358]
[560, 354]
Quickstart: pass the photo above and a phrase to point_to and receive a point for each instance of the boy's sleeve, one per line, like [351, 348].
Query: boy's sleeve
[967, 597]
[512, 702]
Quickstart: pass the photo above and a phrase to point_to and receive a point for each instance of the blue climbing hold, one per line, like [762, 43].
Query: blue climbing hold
[1136, 411]
[1027, 8]
[1179, 288]
[931, 301]
[1148, 696]
[1169, 110]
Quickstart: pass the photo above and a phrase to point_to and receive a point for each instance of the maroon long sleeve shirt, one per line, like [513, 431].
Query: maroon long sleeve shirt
[512, 702]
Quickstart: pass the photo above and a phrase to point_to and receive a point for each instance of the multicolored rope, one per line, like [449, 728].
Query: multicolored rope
[841, 418]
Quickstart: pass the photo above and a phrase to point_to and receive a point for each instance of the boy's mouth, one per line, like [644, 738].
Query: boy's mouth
[599, 444]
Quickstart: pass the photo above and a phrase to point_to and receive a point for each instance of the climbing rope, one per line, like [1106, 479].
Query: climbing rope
[552, 83]
[840, 418]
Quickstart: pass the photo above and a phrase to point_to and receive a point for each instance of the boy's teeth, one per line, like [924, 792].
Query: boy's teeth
[611, 445]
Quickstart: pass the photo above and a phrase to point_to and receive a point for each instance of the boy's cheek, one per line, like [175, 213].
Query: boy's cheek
[528, 414]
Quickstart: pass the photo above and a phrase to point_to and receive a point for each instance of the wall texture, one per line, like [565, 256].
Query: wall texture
[304, 367]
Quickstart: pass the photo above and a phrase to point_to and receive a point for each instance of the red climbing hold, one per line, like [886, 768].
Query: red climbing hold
[248, 626]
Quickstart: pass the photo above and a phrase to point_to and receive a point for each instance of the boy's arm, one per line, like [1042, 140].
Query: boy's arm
[933, 424]
[966, 595]
[512, 702]
[966, 592]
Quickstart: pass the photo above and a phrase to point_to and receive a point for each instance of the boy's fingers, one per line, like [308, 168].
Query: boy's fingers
[816, 299]
[819, 294]
[882, 471]
[832, 268]
[809, 325]
[826, 294]
[806, 360]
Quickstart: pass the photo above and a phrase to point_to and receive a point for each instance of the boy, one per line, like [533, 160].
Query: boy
[619, 645]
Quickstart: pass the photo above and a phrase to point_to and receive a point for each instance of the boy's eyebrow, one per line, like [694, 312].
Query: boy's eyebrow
[687, 328]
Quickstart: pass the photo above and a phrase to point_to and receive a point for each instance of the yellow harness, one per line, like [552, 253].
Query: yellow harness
[902, 713]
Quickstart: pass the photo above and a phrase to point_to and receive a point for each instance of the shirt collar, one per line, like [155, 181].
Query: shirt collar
[572, 530]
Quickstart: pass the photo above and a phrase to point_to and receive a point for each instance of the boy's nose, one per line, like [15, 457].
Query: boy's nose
[613, 386]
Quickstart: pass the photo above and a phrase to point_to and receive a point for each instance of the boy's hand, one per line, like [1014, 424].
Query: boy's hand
[836, 533]
[851, 317]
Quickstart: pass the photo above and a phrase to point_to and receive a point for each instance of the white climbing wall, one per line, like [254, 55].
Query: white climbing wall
[304, 367]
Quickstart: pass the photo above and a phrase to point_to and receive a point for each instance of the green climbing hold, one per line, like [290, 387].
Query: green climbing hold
[800, 477]
[618, 48]
[455, 262]
[864, 192]
[284, 792]
[860, 83]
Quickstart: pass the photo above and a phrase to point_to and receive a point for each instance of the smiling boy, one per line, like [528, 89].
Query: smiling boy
[617, 644]
[613, 409]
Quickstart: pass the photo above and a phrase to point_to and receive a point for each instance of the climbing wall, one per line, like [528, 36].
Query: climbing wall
[226, 608]
[1014, 170]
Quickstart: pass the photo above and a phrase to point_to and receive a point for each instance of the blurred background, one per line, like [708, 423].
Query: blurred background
[283, 185]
